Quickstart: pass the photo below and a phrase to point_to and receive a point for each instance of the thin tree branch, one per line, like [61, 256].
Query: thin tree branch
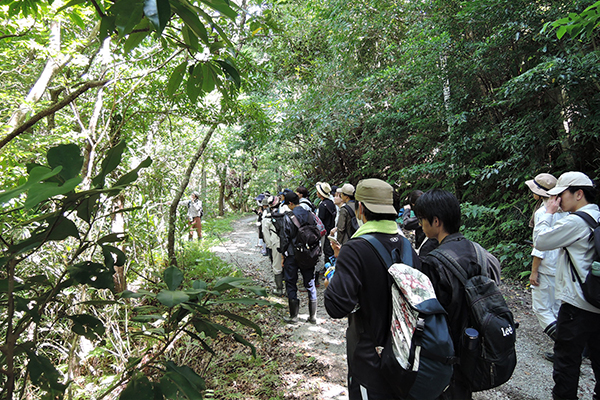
[50, 110]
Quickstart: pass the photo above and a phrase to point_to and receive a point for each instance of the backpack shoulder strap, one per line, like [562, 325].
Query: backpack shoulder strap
[481, 259]
[587, 218]
[406, 256]
[293, 218]
[450, 262]
[350, 210]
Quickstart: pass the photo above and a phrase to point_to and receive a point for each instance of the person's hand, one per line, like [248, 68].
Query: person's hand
[336, 248]
[533, 279]
[553, 204]
[333, 231]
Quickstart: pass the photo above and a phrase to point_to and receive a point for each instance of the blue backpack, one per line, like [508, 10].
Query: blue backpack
[417, 357]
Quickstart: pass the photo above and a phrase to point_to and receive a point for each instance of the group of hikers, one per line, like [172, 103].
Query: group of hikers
[356, 231]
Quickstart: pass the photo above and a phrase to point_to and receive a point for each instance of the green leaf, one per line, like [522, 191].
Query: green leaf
[40, 192]
[231, 71]
[192, 21]
[111, 238]
[107, 26]
[128, 13]
[238, 338]
[173, 277]
[139, 387]
[133, 40]
[86, 207]
[222, 7]
[88, 326]
[94, 274]
[158, 12]
[69, 157]
[70, 4]
[176, 78]
[36, 175]
[208, 78]
[242, 320]
[188, 383]
[246, 301]
[108, 252]
[43, 373]
[110, 162]
[132, 176]
[190, 39]
[128, 294]
[172, 298]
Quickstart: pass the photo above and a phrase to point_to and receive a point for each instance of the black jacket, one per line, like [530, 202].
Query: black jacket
[326, 213]
[361, 281]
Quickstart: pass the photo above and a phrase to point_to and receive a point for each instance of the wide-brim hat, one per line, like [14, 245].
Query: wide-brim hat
[348, 189]
[541, 184]
[570, 179]
[273, 201]
[323, 188]
[376, 195]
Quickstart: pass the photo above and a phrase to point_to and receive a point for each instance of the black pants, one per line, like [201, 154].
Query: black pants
[574, 329]
[290, 274]
[358, 392]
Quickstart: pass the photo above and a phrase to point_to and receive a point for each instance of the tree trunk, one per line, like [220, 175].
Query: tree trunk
[38, 89]
[179, 194]
[118, 226]
[222, 174]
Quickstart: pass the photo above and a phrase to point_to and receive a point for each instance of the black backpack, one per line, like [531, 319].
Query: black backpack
[591, 286]
[352, 226]
[417, 358]
[489, 360]
[307, 243]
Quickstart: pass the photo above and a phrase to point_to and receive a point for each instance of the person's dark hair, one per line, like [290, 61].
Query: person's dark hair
[292, 197]
[351, 196]
[303, 191]
[413, 197]
[589, 192]
[441, 204]
[371, 216]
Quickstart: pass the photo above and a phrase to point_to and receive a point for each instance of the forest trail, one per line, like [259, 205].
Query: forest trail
[325, 342]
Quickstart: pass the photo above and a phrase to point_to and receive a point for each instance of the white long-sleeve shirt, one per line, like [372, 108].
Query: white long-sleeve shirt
[573, 233]
[550, 257]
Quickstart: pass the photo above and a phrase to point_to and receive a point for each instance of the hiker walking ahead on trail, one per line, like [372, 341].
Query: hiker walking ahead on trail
[578, 321]
[195, 213]
[439, 214]
[326, 213]
[544, 303]
[361, 290]
[291, 266]
[272, 241]
[344, 229]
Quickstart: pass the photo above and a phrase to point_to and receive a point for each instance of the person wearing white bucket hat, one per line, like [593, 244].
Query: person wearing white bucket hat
[578, 321]
[543, 300]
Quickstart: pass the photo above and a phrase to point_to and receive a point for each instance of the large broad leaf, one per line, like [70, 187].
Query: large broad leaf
[128, 13]
[238, 338]
[110, 162]
[158, 12]
[231, 72]
[194, 82]
[42, 191]
[86, 325]
[242, 320]
[86, 207]
[188, 383]
[190, 39]
[36, 175]
[93, 274]
[107, 26]
[222, 7]
[108, 252]
[112, 237]
[192, 21]
[209, 78]
[132, 176]
[173, 277]
[176, 78]
[134, 39]
[138, 388]
[43, 373]
[69, 157]
[171, 298]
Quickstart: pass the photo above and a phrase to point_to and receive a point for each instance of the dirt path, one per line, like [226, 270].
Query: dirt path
[325, 342]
